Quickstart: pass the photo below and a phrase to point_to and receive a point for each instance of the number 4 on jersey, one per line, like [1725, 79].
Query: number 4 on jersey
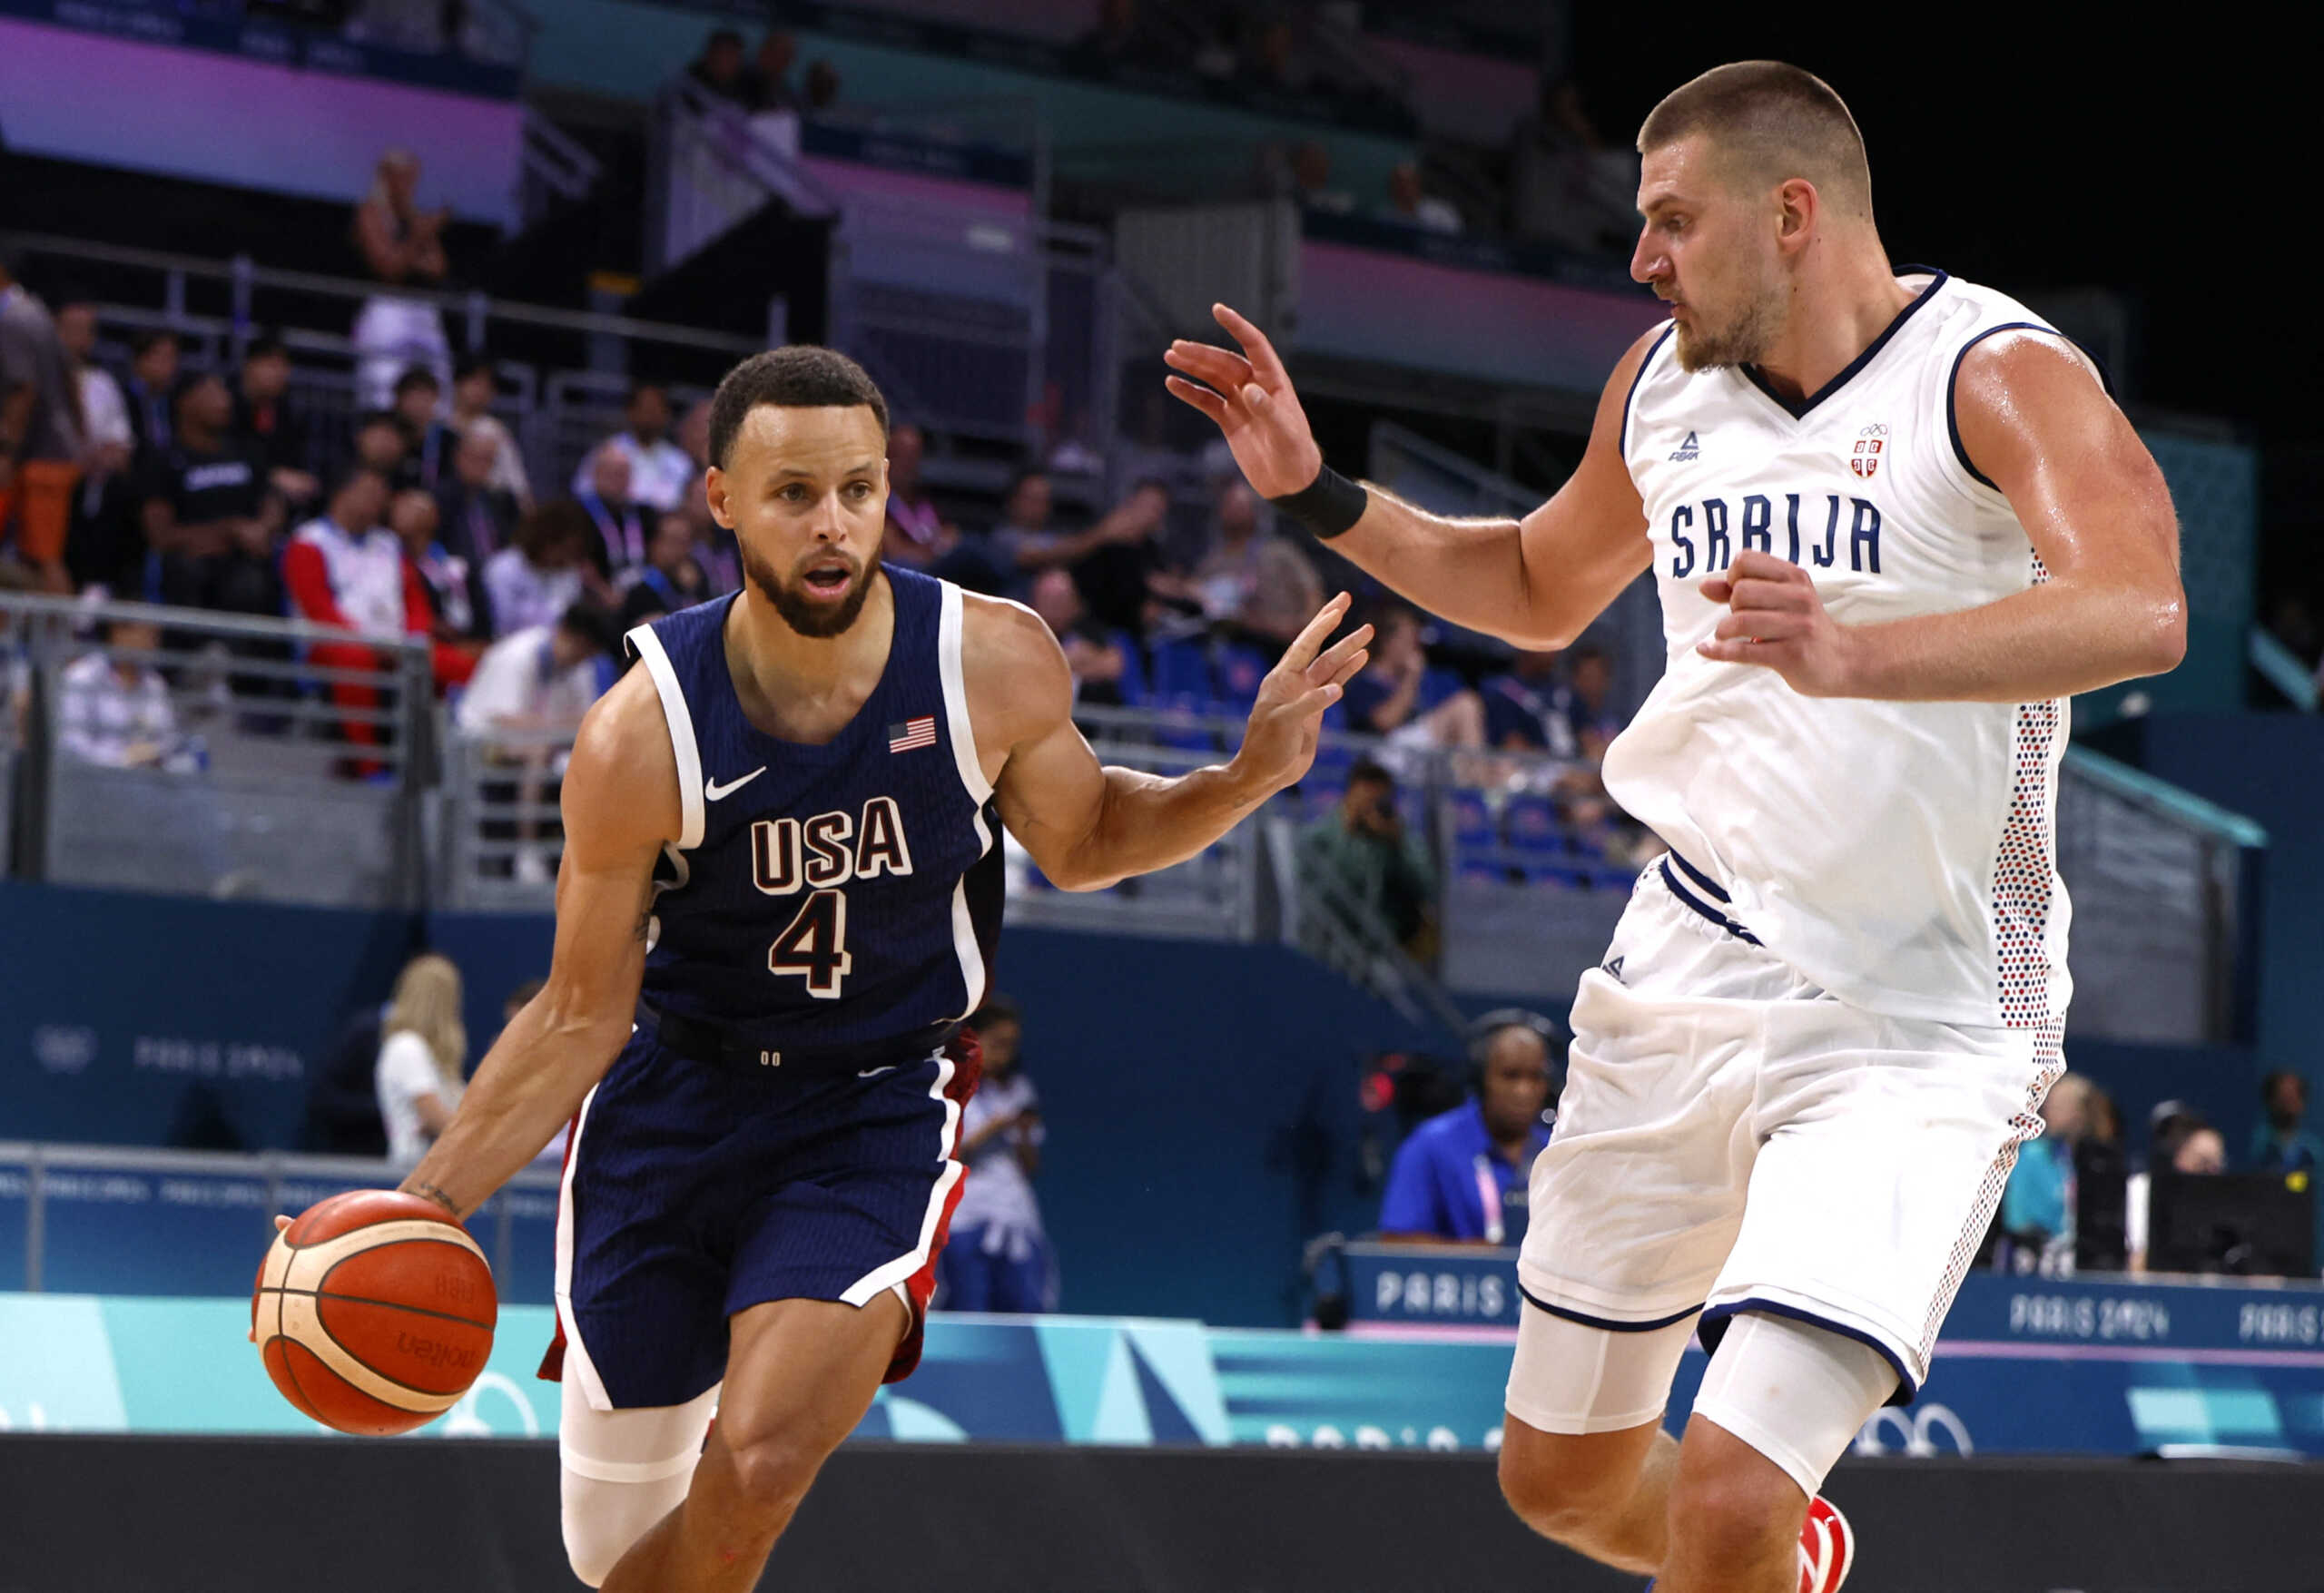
[814, 946]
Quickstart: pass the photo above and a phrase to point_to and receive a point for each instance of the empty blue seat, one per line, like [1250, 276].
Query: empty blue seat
[1180, 672]
[1471, 818]
[1533, 826]
[1438, 683]
[1238, 670]
[1133, 681]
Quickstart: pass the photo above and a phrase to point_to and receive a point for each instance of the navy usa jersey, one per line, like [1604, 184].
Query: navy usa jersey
[833, 896]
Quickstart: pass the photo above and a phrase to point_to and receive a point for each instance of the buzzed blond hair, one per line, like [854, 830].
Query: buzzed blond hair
[1767, 123]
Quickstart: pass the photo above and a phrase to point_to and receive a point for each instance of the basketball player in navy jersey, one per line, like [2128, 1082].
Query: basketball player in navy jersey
[780, 895]
[1896, 519]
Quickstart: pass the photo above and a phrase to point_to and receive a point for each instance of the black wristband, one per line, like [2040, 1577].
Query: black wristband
[1326, 506]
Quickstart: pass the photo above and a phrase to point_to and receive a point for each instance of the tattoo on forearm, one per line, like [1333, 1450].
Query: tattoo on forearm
[426, 1190]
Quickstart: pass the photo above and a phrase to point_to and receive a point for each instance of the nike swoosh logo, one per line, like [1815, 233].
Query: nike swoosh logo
[715, 791]
[875, 1072]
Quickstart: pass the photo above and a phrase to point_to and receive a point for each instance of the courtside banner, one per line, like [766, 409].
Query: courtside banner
[87, 1363]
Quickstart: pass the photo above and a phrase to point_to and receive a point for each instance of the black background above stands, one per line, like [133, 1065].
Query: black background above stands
[224, 1516]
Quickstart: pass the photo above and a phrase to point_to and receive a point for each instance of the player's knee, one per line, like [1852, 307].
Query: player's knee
[1558, 1490]
[773, 1474]
[597, 1533]
[1734, 1515]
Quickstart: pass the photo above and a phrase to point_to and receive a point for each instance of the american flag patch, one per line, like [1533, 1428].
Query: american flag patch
[913, 733]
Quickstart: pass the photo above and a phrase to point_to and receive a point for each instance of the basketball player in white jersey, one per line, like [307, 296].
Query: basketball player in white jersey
[1895, 521]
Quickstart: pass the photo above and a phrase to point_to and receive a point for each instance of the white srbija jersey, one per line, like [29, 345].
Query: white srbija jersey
[1898, 854]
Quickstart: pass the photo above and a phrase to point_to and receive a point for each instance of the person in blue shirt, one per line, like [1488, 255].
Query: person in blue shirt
[1461, 1177]
[2037, 1202]
[2280, 1145]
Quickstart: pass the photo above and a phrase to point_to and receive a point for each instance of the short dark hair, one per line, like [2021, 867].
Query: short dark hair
[472, 364]
[1769, 122]
[417, 376]
[799, 376]
[354, 473]
[723, 35]
[371, 417]
[2274, 1081]
[596, 626]
[997, 1008]
[638, 390]
[146, 339]
[266, 345]
[1018, 478]
[548, 523]
[1369, 772]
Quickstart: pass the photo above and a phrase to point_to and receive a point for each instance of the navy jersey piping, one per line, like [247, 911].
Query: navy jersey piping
[1799, 411]
[1953, 380]
[1637, 377]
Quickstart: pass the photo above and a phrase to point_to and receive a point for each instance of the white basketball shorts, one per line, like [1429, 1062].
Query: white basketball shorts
[1733, 1138]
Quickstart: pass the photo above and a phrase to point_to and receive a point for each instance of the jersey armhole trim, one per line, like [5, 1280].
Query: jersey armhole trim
[649, 648]
[951, 631]
[1952, 383]
[1630, 398]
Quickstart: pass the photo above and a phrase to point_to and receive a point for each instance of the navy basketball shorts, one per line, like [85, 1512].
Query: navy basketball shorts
[692, 1192]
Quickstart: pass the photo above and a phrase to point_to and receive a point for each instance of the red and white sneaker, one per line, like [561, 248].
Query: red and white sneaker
[1826, 1548]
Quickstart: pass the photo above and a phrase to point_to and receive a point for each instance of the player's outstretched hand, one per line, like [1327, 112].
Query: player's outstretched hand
[1251, 398]
[1776, 620]
[1280, 742]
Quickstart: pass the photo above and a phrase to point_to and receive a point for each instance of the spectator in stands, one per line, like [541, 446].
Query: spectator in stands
[472, 393]
[1363, 871]
[440, 588]
[423, 1056]
[1409, 205]
[1120, 40]
[1384, 700]
[380, 445]
[999, 1255]
[41, 436]
[1095, 656]
[206, 513]
[345, 567]
[767, 85]
[2185, 1142]
[104, 546]
[1311, 179]
[2037, 1202]
[1272, 66]
[113, 709]
[267, 428]
[823, 87]
[529, 691]
[660, 472]
[2280, 1145]
[620, 520]
[719, 68]
[152, 388]
[476, 517]
[1437, 1191]
[1252, 578]
[403, 247]
[541, 572]
[917, 532]
[1567, 185]
[1022, 545]
[1530, 709]
[428, 443]
[670, 579]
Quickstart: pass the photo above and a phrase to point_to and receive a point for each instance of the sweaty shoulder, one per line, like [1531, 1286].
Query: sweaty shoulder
[2018, 383]
[621, 786]
[1019, 686]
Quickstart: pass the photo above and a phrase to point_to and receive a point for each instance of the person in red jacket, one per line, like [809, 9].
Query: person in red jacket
[346, 570]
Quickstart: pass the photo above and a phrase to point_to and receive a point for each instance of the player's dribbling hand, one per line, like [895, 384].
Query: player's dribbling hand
[1280, 742]
[1776, 620]
[1250, 398]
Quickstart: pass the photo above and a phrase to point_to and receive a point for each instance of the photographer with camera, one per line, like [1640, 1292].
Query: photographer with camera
[1360, 865]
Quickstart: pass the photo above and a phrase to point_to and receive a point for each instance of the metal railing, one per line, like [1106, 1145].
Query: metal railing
[219, 755]
[235, 1187]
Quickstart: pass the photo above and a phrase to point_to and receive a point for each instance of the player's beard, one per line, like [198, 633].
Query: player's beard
[802, 615]
[1743, 340]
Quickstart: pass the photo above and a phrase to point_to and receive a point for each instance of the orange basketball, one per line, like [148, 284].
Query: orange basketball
[374, 1311]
